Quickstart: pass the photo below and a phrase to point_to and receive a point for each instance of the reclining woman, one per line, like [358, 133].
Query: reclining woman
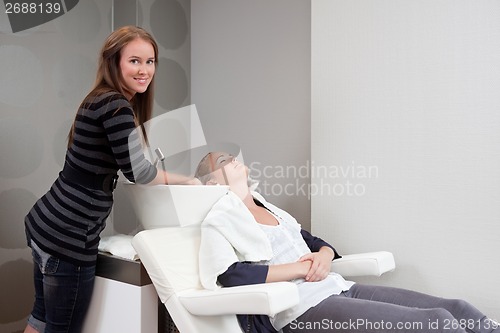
[247, 240]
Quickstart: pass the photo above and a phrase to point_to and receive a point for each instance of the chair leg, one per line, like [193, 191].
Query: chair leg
[165, 322]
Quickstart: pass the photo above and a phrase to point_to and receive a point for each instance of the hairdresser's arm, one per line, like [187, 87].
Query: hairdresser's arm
[169, 178]
[119, 125]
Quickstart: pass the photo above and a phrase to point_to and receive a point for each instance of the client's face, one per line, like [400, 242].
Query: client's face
[226, 169]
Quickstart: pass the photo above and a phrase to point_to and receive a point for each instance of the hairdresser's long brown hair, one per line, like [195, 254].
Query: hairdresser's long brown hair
[109, 76]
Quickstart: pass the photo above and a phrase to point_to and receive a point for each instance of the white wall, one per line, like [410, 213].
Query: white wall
[411, 89]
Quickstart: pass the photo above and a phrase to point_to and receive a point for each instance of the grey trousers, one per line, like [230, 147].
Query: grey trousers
[370, 309]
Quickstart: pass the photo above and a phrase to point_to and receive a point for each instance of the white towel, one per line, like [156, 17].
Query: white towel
[230, 234]
[119, 245]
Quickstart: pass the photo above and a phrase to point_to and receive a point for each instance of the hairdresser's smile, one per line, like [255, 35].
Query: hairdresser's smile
[137, 65]
[142, 80]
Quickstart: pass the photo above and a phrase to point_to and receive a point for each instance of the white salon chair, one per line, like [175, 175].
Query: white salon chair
[170, 256]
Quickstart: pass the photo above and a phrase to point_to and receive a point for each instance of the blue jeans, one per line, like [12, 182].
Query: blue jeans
[62, 293]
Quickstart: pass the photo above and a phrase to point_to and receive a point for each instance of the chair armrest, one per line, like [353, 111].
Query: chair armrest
[364, 264]
[265, 298]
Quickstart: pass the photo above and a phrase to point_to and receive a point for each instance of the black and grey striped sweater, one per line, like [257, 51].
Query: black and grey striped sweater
[67, 221]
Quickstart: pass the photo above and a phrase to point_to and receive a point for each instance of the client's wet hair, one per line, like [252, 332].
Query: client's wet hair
[204, 169]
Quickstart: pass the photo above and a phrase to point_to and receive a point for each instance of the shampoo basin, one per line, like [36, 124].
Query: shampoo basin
[162, 206]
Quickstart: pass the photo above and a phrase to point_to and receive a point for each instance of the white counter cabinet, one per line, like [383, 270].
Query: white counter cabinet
[124, 299]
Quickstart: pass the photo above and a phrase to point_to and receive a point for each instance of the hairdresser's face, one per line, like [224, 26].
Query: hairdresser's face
[227, 169]
[137, 65]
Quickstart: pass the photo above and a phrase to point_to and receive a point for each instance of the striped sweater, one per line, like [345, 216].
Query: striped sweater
[66, 222]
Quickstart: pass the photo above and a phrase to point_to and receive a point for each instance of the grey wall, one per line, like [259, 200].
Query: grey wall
[250, 83]
[46, 72]
[251, 86]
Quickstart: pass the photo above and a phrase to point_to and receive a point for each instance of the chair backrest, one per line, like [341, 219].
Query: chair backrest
[170, 256]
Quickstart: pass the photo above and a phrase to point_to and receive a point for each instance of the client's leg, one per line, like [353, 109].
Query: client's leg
[340, 313]
[464, 314]
[382, 309]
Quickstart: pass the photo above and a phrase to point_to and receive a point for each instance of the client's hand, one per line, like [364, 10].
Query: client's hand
[321, 263]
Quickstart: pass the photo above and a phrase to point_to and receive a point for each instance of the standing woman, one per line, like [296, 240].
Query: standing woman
[64, 225]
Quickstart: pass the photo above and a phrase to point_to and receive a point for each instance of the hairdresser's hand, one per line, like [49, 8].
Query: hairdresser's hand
[321, 263]
[193, 181]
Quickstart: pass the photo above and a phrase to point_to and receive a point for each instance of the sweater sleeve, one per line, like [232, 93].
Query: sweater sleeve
[315, 243]
[243, 273]
[126, 142]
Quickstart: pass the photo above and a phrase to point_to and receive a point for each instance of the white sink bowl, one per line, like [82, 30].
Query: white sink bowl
[162, 206]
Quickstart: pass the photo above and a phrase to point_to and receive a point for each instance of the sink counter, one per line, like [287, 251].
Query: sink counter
[124, 299]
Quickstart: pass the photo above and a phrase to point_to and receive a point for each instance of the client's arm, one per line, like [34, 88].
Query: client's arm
[321, 257]
[320, 264]
[287, 272]
[311, 267]
[315, 243]
[244, 273]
